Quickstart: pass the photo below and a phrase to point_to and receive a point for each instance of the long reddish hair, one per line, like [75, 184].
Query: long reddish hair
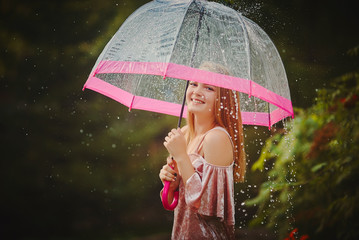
[227, 115]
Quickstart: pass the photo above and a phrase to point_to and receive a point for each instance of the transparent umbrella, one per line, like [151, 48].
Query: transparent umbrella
[159, 48]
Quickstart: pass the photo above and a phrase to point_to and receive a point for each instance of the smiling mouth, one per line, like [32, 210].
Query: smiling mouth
[197, 101]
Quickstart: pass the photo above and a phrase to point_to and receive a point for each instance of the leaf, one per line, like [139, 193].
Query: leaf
[318, 167]
[263, 194]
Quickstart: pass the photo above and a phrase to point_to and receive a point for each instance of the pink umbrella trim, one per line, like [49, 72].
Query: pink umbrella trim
[186, 73]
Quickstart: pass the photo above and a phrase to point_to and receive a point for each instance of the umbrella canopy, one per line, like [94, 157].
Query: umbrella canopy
[163, 43]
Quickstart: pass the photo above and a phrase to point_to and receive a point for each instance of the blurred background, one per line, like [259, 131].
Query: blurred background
[78, 165]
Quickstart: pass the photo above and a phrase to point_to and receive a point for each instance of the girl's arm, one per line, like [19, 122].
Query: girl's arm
[185, 167]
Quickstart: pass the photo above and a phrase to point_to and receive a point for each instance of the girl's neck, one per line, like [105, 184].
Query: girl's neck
[202, 125]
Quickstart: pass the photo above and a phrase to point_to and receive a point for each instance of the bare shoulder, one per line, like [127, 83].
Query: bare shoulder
[217, 148]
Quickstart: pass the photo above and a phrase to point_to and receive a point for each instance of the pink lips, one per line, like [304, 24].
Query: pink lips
[197, 101]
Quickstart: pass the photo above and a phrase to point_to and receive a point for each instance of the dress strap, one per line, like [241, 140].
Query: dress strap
[201, 142]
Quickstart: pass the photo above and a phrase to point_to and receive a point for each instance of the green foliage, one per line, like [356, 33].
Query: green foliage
[74, 164]
[314, 166]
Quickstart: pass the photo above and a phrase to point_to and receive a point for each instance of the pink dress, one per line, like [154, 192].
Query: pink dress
[205, 208]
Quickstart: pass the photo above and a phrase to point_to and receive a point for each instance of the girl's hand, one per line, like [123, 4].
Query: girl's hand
[175, 143]
[169, 174]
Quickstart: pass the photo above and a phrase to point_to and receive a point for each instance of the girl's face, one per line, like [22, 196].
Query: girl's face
[201, 97]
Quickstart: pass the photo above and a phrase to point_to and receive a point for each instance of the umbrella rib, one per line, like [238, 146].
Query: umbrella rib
[246, 39]
[166, 68]
[269, 118]
[174, 44]
[197, 36]
[249, 68]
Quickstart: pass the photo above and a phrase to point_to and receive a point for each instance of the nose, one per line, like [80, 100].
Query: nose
[198, 92]
[198, 89]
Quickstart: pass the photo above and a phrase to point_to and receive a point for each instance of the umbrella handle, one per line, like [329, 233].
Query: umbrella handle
[165, 203]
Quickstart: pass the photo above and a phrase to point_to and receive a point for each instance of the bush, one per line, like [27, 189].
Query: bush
[314, 168]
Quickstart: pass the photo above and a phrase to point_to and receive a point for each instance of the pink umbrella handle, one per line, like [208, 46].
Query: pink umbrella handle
[165, 203]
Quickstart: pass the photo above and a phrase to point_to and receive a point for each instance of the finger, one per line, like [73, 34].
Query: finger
[170, 160]
[171, 132]
[165, 172]
[170, 170]
[166, 176]
[179, 131]
[174, 132]
[166, 168]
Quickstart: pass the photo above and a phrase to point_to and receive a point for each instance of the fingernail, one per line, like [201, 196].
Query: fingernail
[175, 174]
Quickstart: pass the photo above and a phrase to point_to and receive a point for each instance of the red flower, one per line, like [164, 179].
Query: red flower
[291, 235]
[304, 237]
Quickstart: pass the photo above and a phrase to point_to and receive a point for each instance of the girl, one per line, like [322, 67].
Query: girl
[206, 155]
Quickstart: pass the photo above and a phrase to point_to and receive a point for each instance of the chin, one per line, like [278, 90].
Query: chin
[199, 111]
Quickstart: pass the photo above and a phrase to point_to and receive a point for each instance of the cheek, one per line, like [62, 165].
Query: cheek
[212, 101]
[188, 95]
